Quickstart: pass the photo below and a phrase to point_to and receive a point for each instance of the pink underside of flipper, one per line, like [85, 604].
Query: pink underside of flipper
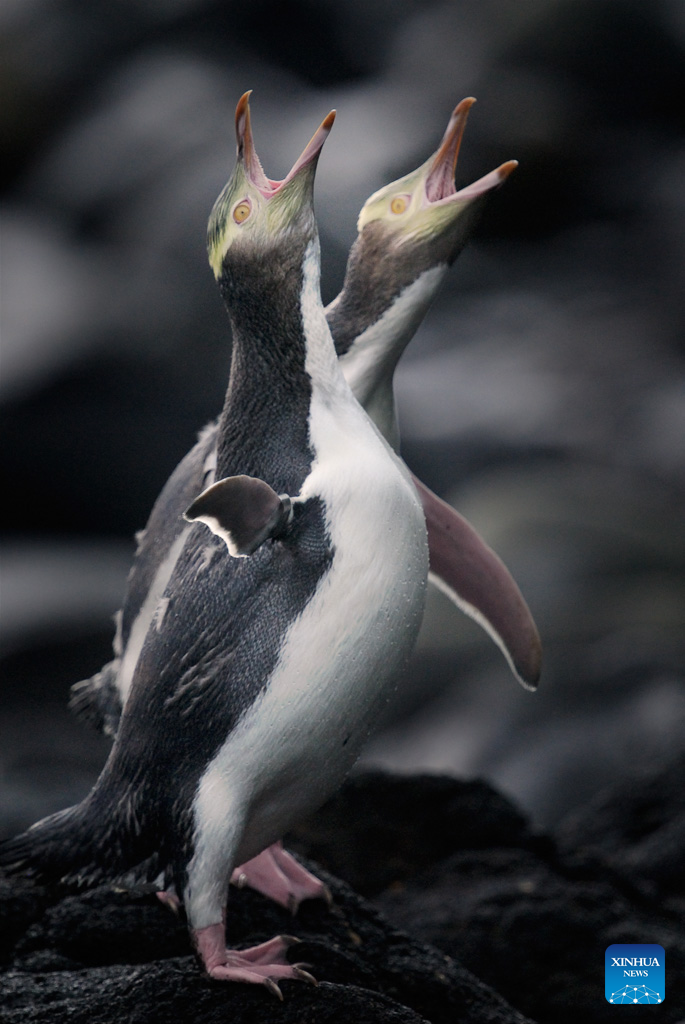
[477, 580]
[265, 964]
[276, 874]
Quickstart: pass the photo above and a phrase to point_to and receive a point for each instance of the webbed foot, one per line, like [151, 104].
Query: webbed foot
[276, 874]
[265, 964]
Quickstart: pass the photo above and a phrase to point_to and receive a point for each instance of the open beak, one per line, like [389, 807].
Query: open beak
[247, 153]
[439, 184]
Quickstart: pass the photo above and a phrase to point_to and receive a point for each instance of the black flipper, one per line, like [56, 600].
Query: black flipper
[244, 511]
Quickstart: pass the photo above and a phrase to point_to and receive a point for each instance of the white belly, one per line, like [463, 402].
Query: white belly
[340, 657]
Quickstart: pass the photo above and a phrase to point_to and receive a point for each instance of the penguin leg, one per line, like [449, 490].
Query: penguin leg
[265, 964]
[220, 818]
[277, 875]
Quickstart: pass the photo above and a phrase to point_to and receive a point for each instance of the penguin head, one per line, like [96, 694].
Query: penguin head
[253, 211]
[421, 220]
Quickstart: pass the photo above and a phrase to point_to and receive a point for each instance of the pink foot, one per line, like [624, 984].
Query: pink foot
[276, 874]
[169, 899]
[265, 964]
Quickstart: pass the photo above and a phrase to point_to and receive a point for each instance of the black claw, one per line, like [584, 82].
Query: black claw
[271, 985]
[290, 940]
[305, 976]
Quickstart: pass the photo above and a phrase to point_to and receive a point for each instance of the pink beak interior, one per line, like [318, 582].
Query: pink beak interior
[248, 154]
[440, 187]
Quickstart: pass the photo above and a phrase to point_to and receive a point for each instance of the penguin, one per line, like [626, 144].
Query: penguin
[409, 234]
[298, 593]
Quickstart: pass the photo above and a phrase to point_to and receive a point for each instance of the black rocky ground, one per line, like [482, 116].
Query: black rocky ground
[485, 906]
[109, 956]
[457, 866]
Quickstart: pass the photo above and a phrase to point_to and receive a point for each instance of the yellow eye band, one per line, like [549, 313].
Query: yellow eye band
[399, 204]
[241, 212]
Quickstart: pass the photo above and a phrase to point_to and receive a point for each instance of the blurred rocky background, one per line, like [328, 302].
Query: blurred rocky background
[543, 396]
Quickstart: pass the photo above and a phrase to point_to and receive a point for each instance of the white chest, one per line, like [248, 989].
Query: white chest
[340, 657]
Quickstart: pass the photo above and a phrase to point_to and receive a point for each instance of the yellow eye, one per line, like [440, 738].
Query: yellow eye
[241, 212]
[399, 204]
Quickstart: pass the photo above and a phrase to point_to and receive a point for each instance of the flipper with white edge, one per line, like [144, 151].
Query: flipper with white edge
[244, 511]
[478, 582]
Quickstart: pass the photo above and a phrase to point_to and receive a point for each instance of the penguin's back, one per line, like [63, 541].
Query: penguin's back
[159, 546]
[193, 473]
[99, 700]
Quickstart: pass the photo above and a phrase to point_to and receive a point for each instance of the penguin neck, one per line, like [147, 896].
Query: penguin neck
[282, 350]
[322, 362]
[370, 357]
[387, 290]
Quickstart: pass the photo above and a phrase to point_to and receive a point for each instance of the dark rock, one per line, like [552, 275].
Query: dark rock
[89, 953]
[637, 827]
[396, 826]
[452, 863]
[531, 919]
[105, 927]
[174, 990]
[535, 934]
[20, 905]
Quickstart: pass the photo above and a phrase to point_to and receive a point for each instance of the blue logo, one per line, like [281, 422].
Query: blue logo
[635, 973]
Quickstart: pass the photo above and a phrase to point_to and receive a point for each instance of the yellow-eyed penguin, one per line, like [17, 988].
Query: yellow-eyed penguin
[297, 594]
[409, 233]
